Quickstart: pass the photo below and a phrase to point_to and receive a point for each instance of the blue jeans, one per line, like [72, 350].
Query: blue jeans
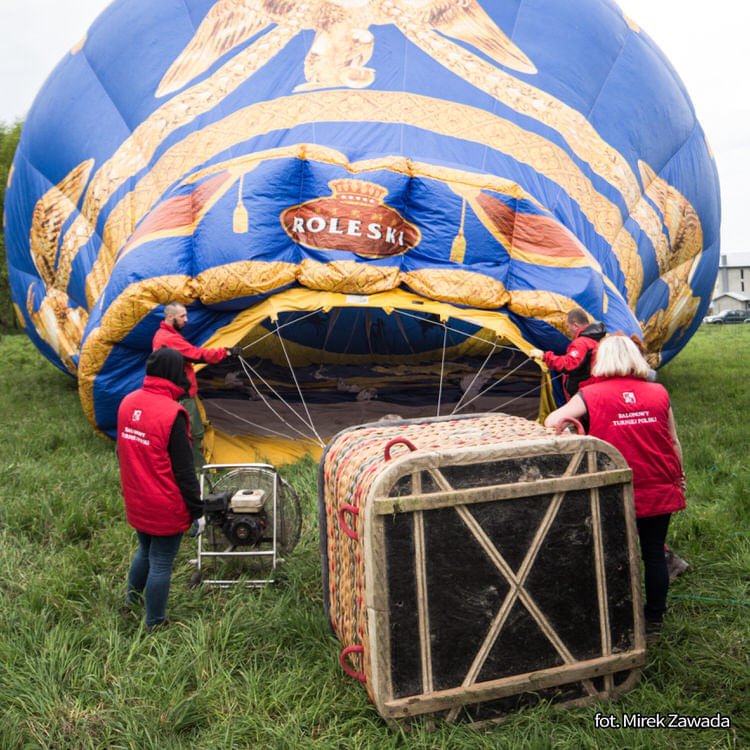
[652, 531]
[151, 573]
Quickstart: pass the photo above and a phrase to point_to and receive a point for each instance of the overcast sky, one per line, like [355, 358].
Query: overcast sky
[705, 41]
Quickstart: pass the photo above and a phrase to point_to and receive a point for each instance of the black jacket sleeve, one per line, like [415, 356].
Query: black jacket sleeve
[183, 467]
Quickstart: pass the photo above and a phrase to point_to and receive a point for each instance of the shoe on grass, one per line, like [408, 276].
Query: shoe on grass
[653, 632]
[675, 564]
[161, 625]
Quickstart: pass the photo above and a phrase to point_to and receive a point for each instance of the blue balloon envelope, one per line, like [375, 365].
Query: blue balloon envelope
[387, 208]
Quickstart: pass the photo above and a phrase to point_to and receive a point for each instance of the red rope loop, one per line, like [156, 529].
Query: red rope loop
[344, 525]
[352, 650]
[570, 421]
[396, 441]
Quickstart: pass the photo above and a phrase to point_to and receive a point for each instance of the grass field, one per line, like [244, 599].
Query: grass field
[260, 669]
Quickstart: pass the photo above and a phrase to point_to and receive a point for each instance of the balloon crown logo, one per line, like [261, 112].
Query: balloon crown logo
[354, 218]
[358, 191]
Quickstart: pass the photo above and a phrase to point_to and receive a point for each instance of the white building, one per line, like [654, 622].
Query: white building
[732, 291]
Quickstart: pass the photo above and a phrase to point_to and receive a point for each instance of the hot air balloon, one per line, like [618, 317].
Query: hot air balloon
[387, 204]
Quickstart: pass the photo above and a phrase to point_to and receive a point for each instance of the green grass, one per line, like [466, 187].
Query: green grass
[260, 668]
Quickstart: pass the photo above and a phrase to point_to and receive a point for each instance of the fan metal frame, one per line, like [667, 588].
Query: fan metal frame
[206, 552]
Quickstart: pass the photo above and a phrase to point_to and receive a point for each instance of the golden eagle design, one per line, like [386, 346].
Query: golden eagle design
[343, 43]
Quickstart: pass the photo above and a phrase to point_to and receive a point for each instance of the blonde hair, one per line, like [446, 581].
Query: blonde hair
[618, 355]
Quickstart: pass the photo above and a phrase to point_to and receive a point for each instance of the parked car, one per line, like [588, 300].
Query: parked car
[729, 316]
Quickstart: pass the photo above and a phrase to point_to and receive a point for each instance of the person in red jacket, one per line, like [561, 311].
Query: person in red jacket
[159, 486]
[575, 365]
[168, 334]
[635, 417]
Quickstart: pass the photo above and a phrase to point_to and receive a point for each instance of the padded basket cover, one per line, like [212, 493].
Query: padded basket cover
[475, 565]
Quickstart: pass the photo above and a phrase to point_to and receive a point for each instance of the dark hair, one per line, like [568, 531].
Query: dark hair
[168, 364]
[173, 308]
[578, 316]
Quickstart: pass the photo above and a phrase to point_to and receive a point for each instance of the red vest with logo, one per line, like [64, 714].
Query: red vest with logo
[153, 501]
[633, 415]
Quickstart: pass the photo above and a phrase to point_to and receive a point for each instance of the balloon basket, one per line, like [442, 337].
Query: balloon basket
[475, 566]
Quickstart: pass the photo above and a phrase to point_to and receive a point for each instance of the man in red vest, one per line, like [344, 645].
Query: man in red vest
[161, 492]
[168, 334]
[575, 365]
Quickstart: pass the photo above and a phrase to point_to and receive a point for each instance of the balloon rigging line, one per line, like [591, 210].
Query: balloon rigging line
[400, 324]
[474, 379]
[332, 320]
[279, 327]
[296, 383]
[419, 318]
[494, 383]
[523, 395]
[442, 369]
[285, 402]
[456, 330]
[351, 335]
[247, 366]
[368, 331]
[215, 404]
[268, 404]
[422, 319]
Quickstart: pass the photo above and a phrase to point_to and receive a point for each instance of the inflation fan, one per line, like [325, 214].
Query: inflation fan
[253, 518]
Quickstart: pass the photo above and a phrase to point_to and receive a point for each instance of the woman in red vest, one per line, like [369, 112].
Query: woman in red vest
[161, 492]
[635, 417]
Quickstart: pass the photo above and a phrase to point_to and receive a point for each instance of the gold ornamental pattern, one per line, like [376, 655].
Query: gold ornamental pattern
[60, 325]
[50, 213]
[57, 322]
[348, 276]
[678, 260]
[343, 43]
[339, 32]
[548, 306]
[444, 118]
[681, 310]
[680, 218]
[457, 287]
[232, 22]
[243, 279]
[397, 164]
[420, 111]
[141, 298]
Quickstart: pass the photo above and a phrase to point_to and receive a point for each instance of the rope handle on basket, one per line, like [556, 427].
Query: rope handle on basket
[352, 650]
[396, 441]
[344, 525]
[570, 421]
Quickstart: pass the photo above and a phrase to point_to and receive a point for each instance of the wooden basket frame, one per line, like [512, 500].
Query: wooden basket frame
[378, 504]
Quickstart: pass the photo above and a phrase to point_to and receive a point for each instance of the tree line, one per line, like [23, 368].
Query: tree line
[9, 135]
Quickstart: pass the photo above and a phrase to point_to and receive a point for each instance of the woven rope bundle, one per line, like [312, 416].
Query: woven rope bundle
[352, 463]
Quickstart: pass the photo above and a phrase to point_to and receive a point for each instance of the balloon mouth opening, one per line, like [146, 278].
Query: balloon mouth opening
[306, 375]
